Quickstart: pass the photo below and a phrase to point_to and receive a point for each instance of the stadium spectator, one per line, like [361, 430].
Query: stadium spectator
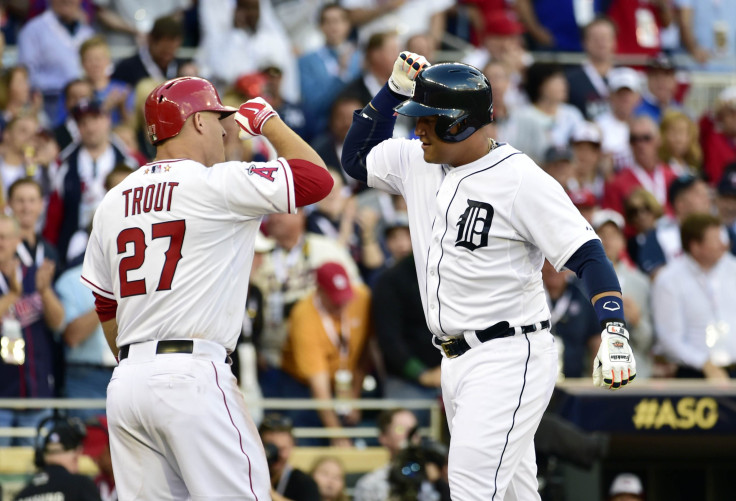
[324, 72]
[588, 82]
[288, 483]
[718, 135]
[157, 58]
[641, 212]
[17, 151]
[115, 96]
[584, 200]
[646, 169]
[688, 195]
[25, 200]
[558, 163]
[221, 56]
[626, 487]
[96, 446]
[573, 321]
[590, 171]
[548, 120]
[126, 22]
[48, 45]
[503, 42]
[67, 132]
[30, 312]
[329, 473]
[325, 350]
[17, 97]
[658, 95]
[79, 183]
[708, 31]
[285, 276]
[380, 54]
[680, 148]
[405, 17]
[609, 225]
[329, 144]
[726, 200]
[58, 462]
[394, 428]
[692, 303]
[555, 24]
[338, 217]
[507, 96]
[640, 25]
[624, 85]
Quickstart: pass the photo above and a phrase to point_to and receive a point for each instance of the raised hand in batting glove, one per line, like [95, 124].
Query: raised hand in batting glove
[406, 68]
[614, 366]
[252, 115]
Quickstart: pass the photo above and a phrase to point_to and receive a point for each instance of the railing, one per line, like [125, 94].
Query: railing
[433, 431]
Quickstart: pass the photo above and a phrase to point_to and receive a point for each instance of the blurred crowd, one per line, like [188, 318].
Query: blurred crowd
[334, 309]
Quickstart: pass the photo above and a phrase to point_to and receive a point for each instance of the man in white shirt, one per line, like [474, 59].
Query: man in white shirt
[693, 300]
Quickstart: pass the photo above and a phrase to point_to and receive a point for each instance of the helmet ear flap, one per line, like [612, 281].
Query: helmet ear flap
[445, 124]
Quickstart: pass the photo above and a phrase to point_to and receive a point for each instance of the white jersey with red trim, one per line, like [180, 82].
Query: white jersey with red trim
[173, 245]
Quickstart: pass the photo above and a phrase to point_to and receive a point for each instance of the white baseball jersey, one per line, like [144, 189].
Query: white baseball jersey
[173, 245]
[480, 233]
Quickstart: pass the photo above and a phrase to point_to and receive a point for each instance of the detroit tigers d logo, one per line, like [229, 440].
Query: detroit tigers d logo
[473, 225]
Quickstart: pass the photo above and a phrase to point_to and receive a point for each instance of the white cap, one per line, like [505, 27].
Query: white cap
[624, 78]
[626, 483]
[586, 132]
[726, 98]
[603, 216]
[263, 243]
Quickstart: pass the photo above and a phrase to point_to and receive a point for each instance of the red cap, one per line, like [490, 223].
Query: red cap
[97, 438]
[583, 198]
[333, 280]
[500, 22]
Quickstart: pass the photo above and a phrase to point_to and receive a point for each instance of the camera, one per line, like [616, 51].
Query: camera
[272, 453]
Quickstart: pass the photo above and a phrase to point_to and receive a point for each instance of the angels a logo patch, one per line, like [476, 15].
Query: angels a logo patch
[264, 172]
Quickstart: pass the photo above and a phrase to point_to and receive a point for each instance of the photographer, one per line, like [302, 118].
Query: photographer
[419, 473]
[287, 483]
[58, 460]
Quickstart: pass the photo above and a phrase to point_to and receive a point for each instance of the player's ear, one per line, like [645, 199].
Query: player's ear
[198, 122]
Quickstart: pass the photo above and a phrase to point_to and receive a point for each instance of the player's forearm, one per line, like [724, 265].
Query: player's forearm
[288, 144]
[110, 328]
[319, 384]
[371, 126]
[53, 311]
[80, 329]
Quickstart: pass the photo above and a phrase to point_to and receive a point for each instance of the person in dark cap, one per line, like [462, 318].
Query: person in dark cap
[558, 164]
[726, 200]
[659, 93]
[58, 460]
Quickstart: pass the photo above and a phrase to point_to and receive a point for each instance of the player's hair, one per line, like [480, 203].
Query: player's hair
[167, 27]
[91, 43]
[598, 20]
[386, 417]
[24, 181]
[329, 6]
[693, 229]
[537, 75]
[694, 154]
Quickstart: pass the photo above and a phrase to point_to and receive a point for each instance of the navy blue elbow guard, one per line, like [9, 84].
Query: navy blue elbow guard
[590, 263]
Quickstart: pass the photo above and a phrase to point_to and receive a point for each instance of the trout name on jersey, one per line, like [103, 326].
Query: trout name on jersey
[156, 197]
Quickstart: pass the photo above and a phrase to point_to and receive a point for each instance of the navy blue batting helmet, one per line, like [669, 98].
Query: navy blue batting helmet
[458, 94]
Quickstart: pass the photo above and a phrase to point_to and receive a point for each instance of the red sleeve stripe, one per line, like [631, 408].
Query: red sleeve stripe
[106, 308]
[100, 290]
[312, 183]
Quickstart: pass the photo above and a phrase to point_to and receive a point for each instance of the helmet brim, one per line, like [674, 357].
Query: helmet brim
[411, 108]
[224, 111]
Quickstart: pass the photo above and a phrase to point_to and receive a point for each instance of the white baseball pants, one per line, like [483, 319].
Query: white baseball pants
[495, 395]
[179, 428]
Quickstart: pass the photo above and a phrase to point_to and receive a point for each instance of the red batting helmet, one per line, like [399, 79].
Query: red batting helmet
[170, 104]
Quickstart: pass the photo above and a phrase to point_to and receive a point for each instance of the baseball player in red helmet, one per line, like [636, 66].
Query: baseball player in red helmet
[168, 261]
[483, 218]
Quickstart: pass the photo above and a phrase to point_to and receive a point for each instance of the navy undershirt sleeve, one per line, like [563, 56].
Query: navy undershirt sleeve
[372, 125]
[592, 266]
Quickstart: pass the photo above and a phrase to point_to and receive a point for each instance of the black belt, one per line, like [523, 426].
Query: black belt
[457, 346]
[174, 346]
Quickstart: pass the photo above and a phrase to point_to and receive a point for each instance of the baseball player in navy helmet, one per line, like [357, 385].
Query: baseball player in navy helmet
[483, 218]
